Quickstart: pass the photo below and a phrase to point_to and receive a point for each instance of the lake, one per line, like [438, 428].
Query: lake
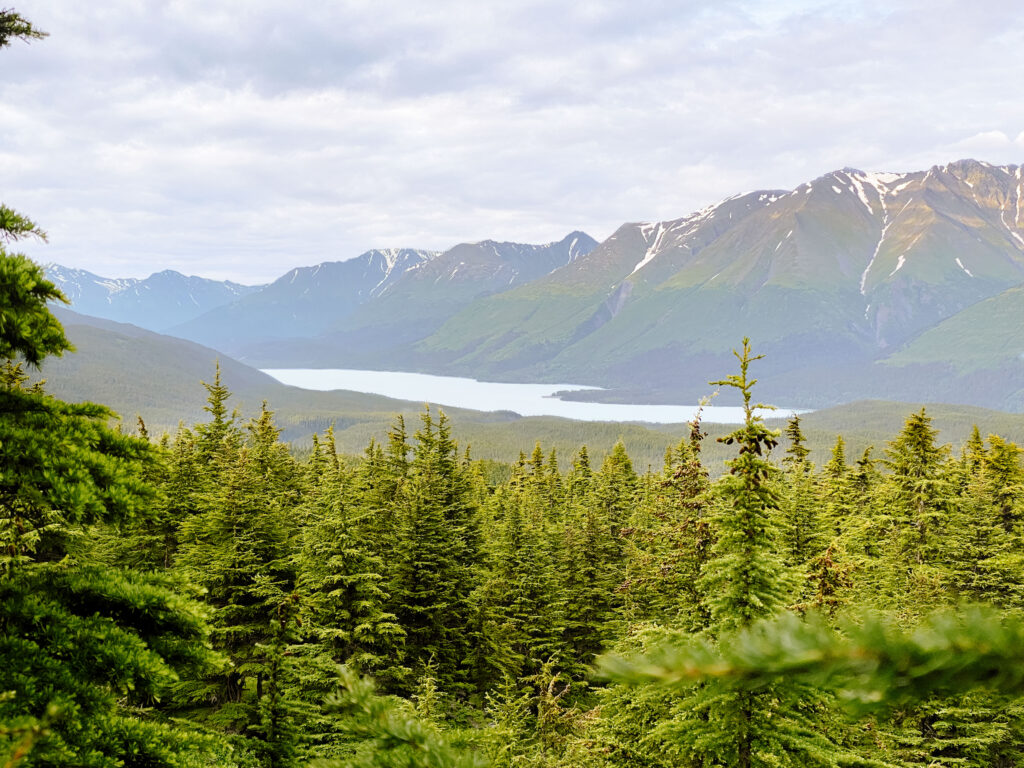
[524, 399]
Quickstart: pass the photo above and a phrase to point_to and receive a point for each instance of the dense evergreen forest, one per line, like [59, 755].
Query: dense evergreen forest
[206, 598]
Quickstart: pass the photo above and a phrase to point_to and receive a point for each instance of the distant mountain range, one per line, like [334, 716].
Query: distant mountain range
[854, 285]
[157, 302]
[370, 309]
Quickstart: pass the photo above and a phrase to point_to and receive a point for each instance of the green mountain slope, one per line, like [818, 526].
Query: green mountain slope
[983, 336]
[839, 271]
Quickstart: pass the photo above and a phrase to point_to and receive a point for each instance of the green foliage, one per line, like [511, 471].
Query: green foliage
[89, 653]
[744, 578]
[342, 581]
[874, 663]
[13, 26]
[386, 732]
[60, 466]
[237, 548]
[436, 550]
[27, 328]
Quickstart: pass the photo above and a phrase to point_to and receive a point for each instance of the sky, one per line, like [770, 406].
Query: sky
[236, 139]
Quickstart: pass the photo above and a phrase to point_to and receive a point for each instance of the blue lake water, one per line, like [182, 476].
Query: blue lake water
[524, 399]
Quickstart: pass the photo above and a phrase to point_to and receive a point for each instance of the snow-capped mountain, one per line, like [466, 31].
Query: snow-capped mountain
[854, 284]
[157, 302]
[377, 301]
[841, 271]
[306, 301]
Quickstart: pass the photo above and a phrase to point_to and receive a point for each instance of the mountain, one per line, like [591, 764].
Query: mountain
[157, 302]
[827, 278]
[854, 285]
[137, 371]
[368, 310]
[305, 302]
[979, 350]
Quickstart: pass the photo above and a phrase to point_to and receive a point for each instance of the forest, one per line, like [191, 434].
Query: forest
[209, 597]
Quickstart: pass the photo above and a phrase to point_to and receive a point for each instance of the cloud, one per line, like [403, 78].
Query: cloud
[243, 137]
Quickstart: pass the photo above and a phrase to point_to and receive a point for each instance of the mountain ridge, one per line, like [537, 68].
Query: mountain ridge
[415, 299]
[164, 299]
[833, 277]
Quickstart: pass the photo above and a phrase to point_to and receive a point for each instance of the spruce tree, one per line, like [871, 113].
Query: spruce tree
[342, 580]
[238, 548]
[802, 528]
[670, 539]
[435, 554]
[744, 581]
[917, 495]
[86, 650]
[595, 563]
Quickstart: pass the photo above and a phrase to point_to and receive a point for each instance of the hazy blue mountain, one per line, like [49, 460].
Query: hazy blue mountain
[350, 313]
[157, 302]
[305, 302]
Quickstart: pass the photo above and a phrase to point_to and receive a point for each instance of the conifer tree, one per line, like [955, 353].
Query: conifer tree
[239, 550]
[670, 540]
[802, 531]
[917, 497]
[520, 579]
[863, 526]
[595, 552]
[745, 581]
[435, 554]
[380, 480]
[974, 451]
[1004, 481]
[836, 493]
[342, 580]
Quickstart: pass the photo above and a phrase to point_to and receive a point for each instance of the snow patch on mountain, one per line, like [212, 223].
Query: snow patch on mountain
[655, 244]
[391, 263]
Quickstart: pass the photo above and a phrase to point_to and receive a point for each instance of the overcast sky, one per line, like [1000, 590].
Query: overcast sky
[239, 138]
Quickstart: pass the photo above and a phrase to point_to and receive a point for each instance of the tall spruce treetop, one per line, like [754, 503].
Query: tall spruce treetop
[836, 466]
[744, 581]
[920, 490]
[797, 452]
[719, 723]
[1005, 480]
[974, 451]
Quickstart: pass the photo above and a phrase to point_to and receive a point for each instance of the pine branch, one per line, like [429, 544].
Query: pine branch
[872, 664]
